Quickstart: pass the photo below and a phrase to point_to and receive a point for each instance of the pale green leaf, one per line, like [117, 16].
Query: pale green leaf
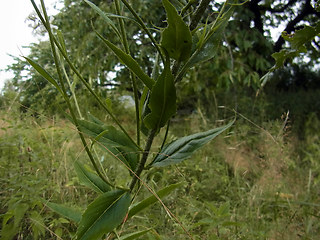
[103, 215]
[44, 74]
[184, 147]
[134, 235]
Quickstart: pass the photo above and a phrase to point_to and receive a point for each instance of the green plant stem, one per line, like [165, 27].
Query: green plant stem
[143, 159]
[104, 106]
[132, 76]
[144, 27]
[47, 24]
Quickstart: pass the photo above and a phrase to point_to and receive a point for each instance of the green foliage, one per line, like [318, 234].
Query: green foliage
[103, 214]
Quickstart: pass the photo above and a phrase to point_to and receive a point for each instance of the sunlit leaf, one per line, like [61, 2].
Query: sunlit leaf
[176, 38]
[90, 179]
[184, 147]
[103, 215]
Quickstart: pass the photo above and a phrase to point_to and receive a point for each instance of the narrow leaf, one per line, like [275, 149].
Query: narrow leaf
[162, 100]
[176, 38]
[207, 48]
[112, 140]
[184, 147]
[134, 235]
[104, 17]
[90, 179]
[65, 211]
[152, 199]
[44, 74]
[129, 62]
[103, 215]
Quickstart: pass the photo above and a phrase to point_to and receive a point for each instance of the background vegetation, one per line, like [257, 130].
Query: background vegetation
[258, 181]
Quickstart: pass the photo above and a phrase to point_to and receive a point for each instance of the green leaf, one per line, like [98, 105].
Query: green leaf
[208, 48]
[65, 211]
[104, 17]
[284, 55]
[44, 74]
[162, 100]
[103, 215]
[152, 199]
[129, 62]
[88, 178]
[135, 235]
[176, 38]
[113, 141]
[184, 147]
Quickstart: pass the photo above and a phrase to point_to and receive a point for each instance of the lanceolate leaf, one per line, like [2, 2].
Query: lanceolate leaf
[152, 199]
[183, 148]
[103, 215]
[90, 179]
[44, 74]
[112, 140]
[129, 62]
[134, 235]
[209, 46]
[104, 16]
[162, 100]
[65, 211]
[176, 38]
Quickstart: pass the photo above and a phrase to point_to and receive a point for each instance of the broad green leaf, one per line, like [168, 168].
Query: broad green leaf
[208, 48]
[104, 17]
[152, 199]
[65, 211]
[103, 215]
[176, 38]
[302, 36]
[134, 235]
[129, 62]
[284, 55]
[90, 179]
[112, 140]
[162, 100]
[184, 147]
[44, 74]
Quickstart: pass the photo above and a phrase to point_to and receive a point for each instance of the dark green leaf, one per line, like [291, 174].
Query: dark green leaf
[129, 62]
[103, 215]
[90, 179]
[44, 74]
[284, 55]
[176, 38]
[162, 100]
[65, 211]
[135, 235]
[152, 199]
[112, 140]
[184, 147]
[208, 47]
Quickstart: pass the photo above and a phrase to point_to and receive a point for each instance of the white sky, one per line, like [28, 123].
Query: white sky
[15, 32]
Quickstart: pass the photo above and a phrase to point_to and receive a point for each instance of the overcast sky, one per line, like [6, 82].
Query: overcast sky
[15, 32]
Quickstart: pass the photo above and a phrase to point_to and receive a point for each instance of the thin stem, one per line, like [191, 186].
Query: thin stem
[132, 76]
[143, 159]
[104, 106]
[47, 24]
[141, 22]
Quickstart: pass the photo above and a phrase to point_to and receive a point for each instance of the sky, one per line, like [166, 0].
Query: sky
[15, 32]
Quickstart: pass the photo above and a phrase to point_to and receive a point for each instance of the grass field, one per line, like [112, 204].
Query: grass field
[257, 181]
